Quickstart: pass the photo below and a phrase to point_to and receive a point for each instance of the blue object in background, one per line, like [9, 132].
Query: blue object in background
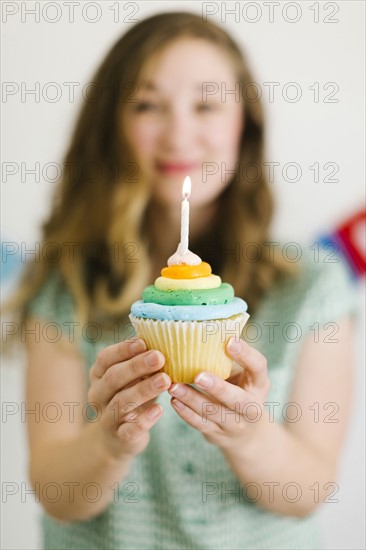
[11, 261]
[348, 239]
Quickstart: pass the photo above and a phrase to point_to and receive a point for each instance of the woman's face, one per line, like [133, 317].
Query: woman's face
[186, 122]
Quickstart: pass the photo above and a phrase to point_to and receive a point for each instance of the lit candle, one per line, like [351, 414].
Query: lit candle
[182, 254]
[184, 222]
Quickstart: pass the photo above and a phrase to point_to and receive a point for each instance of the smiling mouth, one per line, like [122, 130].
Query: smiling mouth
[176, 167]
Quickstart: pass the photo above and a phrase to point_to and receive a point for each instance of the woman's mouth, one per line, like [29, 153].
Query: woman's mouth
[176, 167]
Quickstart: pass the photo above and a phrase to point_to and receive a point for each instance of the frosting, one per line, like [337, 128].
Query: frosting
[188, 292]
[184, 258]
[185, 271]
[212, 281]
[222, 295]
[187, 312]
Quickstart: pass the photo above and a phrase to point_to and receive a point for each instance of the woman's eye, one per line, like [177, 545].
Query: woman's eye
[203, 107]
[143, 106]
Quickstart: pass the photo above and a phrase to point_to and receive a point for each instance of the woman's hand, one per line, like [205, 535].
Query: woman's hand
[123, 385]
[228, 412]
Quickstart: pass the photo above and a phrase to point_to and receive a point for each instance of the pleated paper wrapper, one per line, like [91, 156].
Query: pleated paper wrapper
[191, 347]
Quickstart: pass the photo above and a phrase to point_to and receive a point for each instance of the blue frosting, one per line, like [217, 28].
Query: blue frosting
[188, 313]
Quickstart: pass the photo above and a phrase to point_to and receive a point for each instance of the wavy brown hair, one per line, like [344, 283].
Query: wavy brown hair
[100, 202]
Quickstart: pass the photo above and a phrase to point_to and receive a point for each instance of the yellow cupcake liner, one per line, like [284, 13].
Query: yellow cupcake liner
[191, 347]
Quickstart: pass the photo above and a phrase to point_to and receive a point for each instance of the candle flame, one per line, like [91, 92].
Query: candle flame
[186, 189]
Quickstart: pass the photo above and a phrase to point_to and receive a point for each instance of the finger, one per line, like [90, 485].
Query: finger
[123, 375]
[223, 392]
[211, 407]
[134, 413]
[128, 399]
[114, 418]
[193, 418]
[236, 369]
[236, 372]
[250, 359]
[134, 427]
[116, 353]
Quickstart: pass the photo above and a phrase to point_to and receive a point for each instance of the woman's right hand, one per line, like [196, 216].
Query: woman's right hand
[124, 383]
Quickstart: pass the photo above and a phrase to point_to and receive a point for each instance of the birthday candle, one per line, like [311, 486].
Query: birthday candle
[182, 254]
[184, 223]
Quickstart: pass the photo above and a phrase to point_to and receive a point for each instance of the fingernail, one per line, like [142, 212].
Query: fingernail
[152, 359]
[204, 380]
[138, 346]
[154, 411]
[159, 381]
[178, 404]
[178, 390]
[234, 345]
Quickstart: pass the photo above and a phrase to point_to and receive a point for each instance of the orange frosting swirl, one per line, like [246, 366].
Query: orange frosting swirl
[185, 271]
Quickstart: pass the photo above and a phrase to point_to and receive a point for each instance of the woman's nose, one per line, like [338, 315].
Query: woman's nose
[178, 134]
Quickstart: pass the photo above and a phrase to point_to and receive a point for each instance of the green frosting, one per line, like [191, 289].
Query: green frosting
[210, 296]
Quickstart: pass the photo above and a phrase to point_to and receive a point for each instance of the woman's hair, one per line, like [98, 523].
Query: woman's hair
[99, 212]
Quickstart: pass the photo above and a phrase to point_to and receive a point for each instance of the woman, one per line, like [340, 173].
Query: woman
[151, 470]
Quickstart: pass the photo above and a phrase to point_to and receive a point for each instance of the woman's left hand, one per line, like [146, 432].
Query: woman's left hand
[229, 410]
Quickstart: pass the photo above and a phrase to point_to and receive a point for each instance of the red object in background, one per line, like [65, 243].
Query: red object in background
[351, 235]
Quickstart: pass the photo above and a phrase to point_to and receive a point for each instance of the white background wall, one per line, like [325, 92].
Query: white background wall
[304, 132]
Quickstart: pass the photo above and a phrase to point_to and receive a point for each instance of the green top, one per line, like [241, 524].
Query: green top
[177, 494]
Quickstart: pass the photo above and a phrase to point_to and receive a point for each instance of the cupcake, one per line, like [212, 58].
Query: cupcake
[189, 314]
